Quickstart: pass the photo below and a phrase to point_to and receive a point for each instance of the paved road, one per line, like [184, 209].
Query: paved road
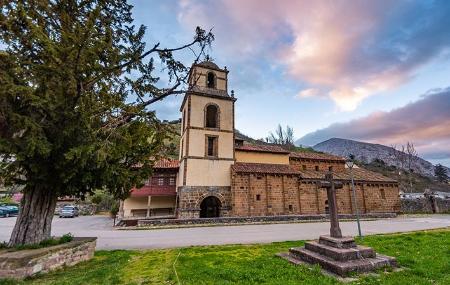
[109, 238]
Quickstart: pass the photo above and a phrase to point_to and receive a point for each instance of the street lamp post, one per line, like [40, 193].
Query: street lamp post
[350, 165]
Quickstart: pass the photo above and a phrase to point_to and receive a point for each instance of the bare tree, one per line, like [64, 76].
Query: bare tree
[411, 159]
[399, 155]
[282, 137]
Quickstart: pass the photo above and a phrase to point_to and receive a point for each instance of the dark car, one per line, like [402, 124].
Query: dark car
[69, 211]
[9, 210]
[3, 214]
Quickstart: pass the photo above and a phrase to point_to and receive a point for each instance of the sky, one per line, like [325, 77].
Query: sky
[374, 71]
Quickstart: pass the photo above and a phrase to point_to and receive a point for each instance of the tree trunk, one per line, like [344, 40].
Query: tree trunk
[34, 221]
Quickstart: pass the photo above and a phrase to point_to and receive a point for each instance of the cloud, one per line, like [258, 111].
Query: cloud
[350, 50]
[425, 122]
[311, 92]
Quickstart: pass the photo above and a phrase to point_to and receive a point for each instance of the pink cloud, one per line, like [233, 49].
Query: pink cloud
[425, 122]
[334, 46]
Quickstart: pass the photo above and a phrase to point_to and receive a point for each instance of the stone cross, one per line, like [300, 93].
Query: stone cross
[331, 186]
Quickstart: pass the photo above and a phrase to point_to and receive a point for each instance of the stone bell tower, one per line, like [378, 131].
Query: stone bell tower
[207, 144]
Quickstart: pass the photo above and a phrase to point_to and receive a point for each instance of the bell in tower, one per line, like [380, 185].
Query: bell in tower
[207, 143]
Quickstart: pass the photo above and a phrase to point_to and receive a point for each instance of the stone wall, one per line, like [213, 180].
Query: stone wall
[425, 205]
[190, 198]
[24, 263]
[252, 220]
[267, 195]
[310, 164]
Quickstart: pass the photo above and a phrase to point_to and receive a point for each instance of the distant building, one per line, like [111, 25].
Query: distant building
[221, 174]
[158, 195]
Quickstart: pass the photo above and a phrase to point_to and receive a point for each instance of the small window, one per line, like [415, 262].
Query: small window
[383, 194]
[160, 181]
[259, 177]
[304, 167]
[172, 181]
[211, 80]
[330, 168]
[212, 146]
[290, 208]
[317, 168]
[258, 197]
[211, 118]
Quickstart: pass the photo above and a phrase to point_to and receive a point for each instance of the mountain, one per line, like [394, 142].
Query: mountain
[368, 152]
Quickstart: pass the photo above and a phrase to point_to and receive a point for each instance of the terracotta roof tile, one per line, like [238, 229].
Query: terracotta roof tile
[262, 148]
[359, 174]
[263, 168]
[315, 156]
[166, 163]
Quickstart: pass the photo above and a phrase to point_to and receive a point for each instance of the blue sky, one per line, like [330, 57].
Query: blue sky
[317, 64]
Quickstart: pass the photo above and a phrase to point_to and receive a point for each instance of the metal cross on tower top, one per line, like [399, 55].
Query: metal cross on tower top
[331, 186]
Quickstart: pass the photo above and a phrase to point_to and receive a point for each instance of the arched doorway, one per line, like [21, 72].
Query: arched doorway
[210, 207]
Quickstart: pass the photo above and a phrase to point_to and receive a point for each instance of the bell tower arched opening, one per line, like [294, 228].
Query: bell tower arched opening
[212, 116]
[211, 80]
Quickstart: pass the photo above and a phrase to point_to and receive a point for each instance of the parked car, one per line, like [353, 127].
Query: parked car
[9, 209]
[3, 214]
[69, 212]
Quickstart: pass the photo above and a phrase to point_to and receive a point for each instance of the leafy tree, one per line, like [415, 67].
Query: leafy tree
[76, 85]
[282, 136]
[441, 173]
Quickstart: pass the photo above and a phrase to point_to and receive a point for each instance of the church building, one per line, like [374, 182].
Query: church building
[220, 174]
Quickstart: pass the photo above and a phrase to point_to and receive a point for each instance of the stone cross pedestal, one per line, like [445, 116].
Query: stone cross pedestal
[331, 186]
[335, 253]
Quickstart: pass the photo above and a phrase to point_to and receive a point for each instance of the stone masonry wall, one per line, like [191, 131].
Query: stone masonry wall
[425, 205]
[269, 195]
[24, 263]
[381, 198]
[190, 198]
[298, 164]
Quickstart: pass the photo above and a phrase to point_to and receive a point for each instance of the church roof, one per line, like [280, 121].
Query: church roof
[359, 175]
[263, 168]
[315, 156]
[209, 64]
[167, 163]
[262, 148]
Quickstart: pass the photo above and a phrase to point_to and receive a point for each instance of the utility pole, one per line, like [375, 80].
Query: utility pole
[350, 165]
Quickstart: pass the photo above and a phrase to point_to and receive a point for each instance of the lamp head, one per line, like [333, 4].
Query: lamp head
[349, 163]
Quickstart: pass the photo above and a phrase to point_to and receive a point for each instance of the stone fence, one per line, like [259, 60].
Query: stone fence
[425, 204]
[245, 220]
[19, 264]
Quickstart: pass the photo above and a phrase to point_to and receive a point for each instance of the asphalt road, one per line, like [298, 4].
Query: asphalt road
[110, 238]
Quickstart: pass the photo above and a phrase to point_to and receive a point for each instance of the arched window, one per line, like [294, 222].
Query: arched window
[211, 80]
[212, 116]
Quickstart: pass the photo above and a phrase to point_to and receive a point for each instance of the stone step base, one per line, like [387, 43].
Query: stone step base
[342, 268]
[342, 242]
[340, 254]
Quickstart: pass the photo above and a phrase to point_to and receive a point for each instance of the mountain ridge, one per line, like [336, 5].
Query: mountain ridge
[368, 152]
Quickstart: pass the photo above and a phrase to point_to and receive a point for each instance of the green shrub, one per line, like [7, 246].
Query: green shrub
[66, 238]
[114, 209]
[8, 200]
[103, 200]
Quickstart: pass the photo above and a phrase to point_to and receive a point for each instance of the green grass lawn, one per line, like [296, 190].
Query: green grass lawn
[425, 255]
